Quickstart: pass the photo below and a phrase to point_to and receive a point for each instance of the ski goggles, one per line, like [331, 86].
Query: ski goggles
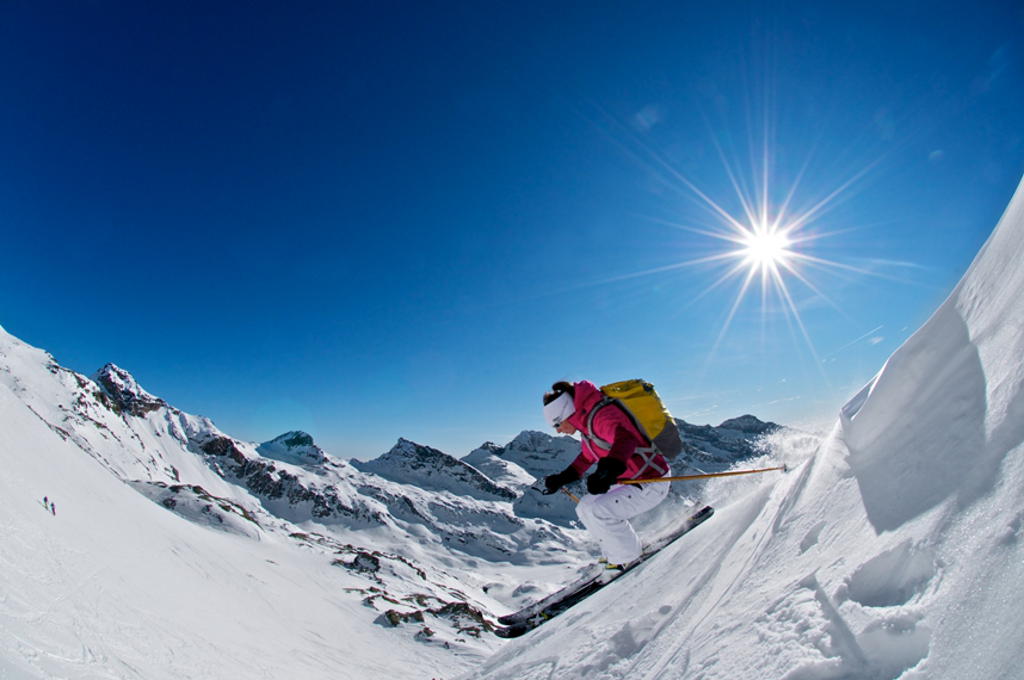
[559, 410]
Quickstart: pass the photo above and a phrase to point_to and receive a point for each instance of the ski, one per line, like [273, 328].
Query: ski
[528, 618]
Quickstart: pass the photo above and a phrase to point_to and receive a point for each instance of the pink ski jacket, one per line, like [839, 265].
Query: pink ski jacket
[611, 424]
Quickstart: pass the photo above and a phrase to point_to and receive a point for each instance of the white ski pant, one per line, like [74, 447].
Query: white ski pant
[606, 517]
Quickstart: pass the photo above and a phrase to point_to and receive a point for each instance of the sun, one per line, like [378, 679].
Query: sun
[765, 247]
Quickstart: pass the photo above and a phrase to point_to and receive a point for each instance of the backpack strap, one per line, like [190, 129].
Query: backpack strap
[589, 433]
[647, 453]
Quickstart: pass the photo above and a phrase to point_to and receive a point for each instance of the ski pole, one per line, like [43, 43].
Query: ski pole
[570, 494]
[703, 476]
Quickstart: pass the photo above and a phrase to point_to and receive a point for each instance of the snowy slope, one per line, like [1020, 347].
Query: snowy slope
[116, 586]
[396, 567]
[896, 550]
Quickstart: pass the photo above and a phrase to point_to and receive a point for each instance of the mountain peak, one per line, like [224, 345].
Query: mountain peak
[750, 424]
[411, 463]
[293, 447]
[125, 391]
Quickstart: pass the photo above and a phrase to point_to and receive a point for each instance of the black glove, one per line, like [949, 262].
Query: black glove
[552, 483]
[608, 471]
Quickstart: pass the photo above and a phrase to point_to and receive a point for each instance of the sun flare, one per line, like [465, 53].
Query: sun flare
[765, 247]
[766, 234]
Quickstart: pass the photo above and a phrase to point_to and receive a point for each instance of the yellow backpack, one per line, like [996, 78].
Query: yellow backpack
[644, 407]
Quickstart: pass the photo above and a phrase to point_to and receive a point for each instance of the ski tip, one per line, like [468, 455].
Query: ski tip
[509, 632]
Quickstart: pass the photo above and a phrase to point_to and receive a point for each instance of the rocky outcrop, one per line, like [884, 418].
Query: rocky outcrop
[465, 618]
[749, 425]
[295, 447]
[196, 504]
[124, 392]
[732, 441]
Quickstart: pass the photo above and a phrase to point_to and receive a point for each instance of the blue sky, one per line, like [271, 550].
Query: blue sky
[377, 220]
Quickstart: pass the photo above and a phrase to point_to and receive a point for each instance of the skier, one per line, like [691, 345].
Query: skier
[606, 511]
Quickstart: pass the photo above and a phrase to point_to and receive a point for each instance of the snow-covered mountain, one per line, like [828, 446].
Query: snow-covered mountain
[401, 552]
[715, 448]
[895, 550]
[428, 548]
[297, 448]
[428, 468]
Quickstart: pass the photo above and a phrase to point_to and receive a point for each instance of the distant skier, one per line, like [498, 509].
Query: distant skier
[606, 511]
[53, 509]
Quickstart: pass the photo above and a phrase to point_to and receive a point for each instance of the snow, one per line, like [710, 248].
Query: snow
[892, 549]
[177, 551]
[115, 586]
[427, 468]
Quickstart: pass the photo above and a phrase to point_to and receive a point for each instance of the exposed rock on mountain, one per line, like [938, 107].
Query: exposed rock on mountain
[749, 424]
[125, 392]
[286, 493]
[712, 448]
[296, 447]
[197, 505]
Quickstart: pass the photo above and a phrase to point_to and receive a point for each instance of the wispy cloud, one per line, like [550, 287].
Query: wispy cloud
[782, 400]
[871, 336]
[881, 263]
[646, 118]
[998, 63]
